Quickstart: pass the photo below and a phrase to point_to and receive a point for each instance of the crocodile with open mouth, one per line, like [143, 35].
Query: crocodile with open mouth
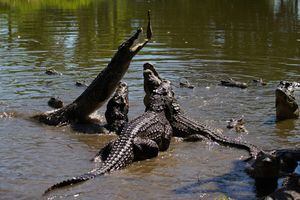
[98, 92]
[141, 138]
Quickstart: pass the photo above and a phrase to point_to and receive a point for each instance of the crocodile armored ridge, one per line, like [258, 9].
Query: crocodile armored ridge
[115, 114]
[286, 105]
[99, 91]
[187, 128]
[141, 138]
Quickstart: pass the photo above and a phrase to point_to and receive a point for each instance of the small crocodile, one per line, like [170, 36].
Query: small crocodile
[290, 189]
[237, 124]
[116, 114]
[117, 109]
[286, 105]
[187, 128]
[141, 138]
[232, 83]
[55, 103]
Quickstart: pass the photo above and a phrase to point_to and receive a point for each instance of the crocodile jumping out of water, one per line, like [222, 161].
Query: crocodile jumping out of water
[98, 92]
[286, 105]
[140, 139]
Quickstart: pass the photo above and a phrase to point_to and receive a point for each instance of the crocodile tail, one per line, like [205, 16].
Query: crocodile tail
[71, 181]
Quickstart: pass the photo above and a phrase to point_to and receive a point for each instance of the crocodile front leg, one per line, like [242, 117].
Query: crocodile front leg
[102, 155]
[166, 138]
[194, 138]
[144, 149]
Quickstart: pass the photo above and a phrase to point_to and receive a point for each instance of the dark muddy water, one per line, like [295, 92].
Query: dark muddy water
[201, 41]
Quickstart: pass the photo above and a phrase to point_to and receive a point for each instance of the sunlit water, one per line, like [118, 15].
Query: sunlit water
[201, 41]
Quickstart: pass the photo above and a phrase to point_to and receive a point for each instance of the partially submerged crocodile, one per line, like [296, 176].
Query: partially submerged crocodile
[117, 109]
[232, 83]
[286, 105]
[101, 88]
[115, 114]
[141, 138]
[262, 164]
[290, 189]
[237, 124]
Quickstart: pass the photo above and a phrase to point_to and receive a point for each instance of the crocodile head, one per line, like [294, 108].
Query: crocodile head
[159, 92]
[265, 166]
[117, 108]
[152, 81]
[286, 105]
[130, 48]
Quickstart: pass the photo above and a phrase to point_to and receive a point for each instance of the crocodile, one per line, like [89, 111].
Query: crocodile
[286, 105]
[261, 163]
[290, 189]
[117, 109]
[55, 103]
[269, 166]
[232, 83]
[189, 129]
[237, 124]
[141, 138]
[98, 92]
[115, 114]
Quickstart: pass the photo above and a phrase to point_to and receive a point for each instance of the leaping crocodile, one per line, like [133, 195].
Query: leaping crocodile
[141, 138]
[98, 92]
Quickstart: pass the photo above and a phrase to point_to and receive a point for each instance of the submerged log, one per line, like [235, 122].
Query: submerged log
[101, 88]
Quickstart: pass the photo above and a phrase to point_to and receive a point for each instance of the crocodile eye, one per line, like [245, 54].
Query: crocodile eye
[123, 85]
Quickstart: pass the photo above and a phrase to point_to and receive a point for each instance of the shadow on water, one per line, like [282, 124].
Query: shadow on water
[200, 40]
[223, 184]
[226, 184]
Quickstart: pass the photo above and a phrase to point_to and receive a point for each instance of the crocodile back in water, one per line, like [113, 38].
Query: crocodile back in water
[185, 127]
[152, 127]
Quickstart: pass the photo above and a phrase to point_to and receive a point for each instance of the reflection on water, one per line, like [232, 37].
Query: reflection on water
[200, 41]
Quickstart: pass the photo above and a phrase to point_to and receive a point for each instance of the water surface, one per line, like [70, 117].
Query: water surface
[201, 41]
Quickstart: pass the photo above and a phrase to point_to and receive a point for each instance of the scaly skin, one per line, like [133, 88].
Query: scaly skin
[286, 105]
[185, 127]
[117, 109]
[116, 114]
[101, 88]
[290, 189]
[141, 138]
